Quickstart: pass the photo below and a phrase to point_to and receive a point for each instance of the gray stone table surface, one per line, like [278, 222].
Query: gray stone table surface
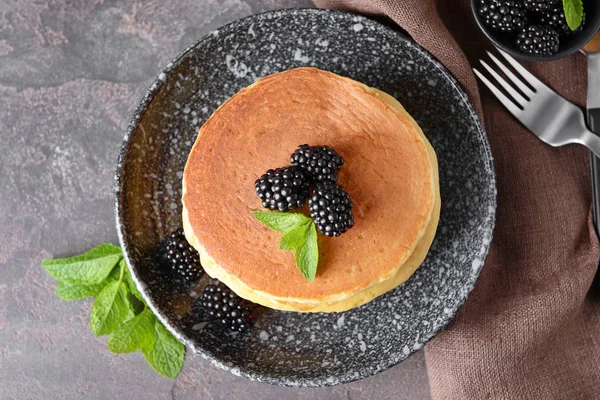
[71, 74]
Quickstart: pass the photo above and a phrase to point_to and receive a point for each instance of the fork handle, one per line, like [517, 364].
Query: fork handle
[593, 117]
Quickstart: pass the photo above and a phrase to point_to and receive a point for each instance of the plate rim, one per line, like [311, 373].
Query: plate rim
[239, 370]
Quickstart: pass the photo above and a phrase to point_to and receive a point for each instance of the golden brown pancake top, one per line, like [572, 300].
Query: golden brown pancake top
[386, 171]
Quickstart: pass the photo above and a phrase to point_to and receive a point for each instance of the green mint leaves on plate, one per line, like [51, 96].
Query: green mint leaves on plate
[300, 235]
[573, 13]
[102, 273]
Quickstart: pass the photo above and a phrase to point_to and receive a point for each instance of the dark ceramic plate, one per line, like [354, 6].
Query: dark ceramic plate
[290, 348]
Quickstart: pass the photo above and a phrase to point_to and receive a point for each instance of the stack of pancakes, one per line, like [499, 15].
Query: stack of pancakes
[390, 172]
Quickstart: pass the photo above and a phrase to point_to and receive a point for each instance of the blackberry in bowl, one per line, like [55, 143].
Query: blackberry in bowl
[539, 5]
[554, 17]
[535, 30]
[538, 41]
[508, 16]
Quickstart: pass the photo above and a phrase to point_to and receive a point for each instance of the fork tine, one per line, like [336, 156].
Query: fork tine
[523, 87]
[532, 80]
[503, 99]
[520, 100]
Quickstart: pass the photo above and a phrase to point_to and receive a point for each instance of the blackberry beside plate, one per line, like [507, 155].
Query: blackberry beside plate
[554, 18]
[538, 41]
[503, 15]
[540, 5]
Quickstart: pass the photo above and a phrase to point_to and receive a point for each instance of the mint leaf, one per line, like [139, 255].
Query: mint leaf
[573, 13]
[282, 222]
[135, 334]
[115, 274]
[131, 283]
[300, 234]
[294, 238]
[166, 356]
[307, 255]
[94, 274]
[87, 269]
[110, 309]
[68, 291]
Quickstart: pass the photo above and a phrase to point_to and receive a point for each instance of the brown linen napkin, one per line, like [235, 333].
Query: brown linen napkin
[531, 327]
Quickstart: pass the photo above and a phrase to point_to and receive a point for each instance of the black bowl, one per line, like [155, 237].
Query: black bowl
[568, 44]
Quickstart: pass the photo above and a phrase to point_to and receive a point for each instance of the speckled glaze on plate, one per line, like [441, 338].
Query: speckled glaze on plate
[288, 348]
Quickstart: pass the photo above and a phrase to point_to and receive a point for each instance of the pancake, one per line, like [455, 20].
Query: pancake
[390, 171]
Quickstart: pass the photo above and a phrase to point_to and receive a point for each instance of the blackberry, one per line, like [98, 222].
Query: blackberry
[321, 163]
[219, 302]
[539, 5]
[183, 257]
[538, 41]
[555, 18]
[282, 189]
[503, 15]
[331, 209]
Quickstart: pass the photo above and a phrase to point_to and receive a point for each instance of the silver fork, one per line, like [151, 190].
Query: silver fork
[552, 118]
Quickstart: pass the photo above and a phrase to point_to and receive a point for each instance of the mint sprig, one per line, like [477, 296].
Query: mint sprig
[294, 238]
[69, 291]
[87, 269]
[307, 254]
[110, 309]
[102, 273]
[166, 356]
[282, 222]
[135, 334]
[300, 235]
[573, 13]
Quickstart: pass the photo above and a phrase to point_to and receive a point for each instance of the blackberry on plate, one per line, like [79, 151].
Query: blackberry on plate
[222, 304]
[540, 5]
[503, 15]
[555, 18]
[282, 189]
[331, 209]
[183, 257]
[538, 41]
[320, 162]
